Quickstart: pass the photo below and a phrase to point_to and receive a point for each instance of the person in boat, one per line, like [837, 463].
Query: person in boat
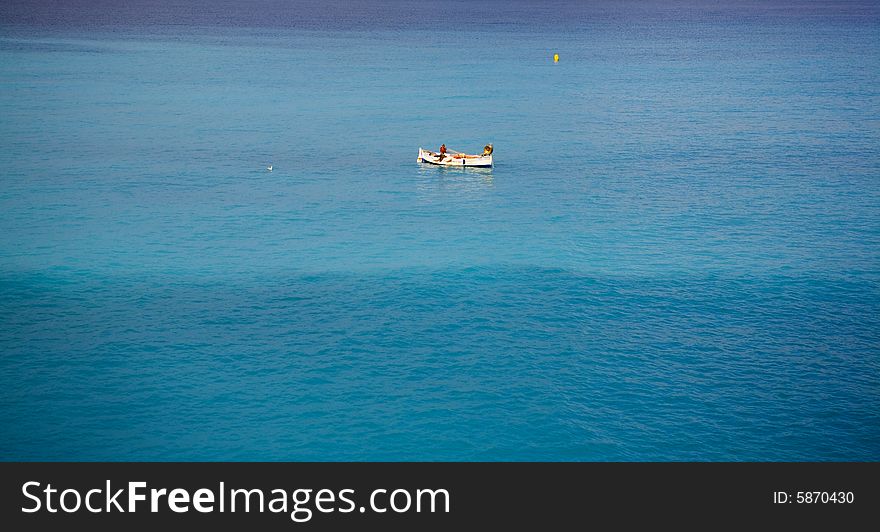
[442, 151]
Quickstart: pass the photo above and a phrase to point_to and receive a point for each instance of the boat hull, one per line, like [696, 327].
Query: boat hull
[470, 161]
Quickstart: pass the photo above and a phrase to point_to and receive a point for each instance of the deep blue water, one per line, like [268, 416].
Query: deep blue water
[676, 256]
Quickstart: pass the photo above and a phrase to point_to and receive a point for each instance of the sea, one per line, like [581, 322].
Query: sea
[676, 256]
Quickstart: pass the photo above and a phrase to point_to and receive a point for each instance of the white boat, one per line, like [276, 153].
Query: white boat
[458, 159]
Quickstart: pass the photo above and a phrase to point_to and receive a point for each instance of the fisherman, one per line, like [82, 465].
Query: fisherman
[442, 151]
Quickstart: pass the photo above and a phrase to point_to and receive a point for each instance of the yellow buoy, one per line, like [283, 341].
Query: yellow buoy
[555, 58]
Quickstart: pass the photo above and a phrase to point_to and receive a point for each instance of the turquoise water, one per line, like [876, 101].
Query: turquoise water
[676, 256]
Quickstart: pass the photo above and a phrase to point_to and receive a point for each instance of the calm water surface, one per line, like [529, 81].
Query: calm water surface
[676, 257]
